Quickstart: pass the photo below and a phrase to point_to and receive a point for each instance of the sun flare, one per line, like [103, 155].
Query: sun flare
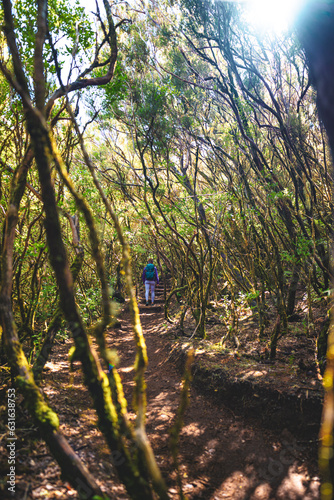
[273, 15]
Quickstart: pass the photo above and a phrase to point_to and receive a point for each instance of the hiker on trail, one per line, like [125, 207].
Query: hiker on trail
[150, 279]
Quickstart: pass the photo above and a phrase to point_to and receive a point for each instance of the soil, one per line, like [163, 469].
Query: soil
[250, 431]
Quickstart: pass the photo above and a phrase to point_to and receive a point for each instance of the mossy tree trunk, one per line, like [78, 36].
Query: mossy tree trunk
[56, 321]
[44, 417]
[137, 467]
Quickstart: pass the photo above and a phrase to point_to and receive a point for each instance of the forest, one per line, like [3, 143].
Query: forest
[189, 134]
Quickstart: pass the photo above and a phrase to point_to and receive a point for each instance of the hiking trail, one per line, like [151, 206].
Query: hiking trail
[222, 455]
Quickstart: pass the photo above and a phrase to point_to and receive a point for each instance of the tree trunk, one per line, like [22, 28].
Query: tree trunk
[316, 32]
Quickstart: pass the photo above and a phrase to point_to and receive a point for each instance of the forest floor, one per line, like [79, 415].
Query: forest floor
[238, 451]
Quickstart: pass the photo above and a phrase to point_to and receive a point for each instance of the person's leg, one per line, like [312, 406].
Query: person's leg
[147, 291]
[153, 292]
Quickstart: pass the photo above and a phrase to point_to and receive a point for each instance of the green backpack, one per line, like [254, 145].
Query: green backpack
[150, 272]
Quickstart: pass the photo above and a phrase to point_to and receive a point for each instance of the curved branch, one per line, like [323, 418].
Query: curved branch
[82, 83]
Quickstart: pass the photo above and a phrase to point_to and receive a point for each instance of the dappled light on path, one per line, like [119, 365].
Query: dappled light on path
[222, 455]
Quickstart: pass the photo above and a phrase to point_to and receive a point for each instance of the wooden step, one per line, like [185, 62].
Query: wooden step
[159, 302]
[141, 298]
[150, 309]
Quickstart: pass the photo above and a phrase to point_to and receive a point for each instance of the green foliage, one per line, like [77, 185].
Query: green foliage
[89, 303]
[116, 91]
[68, 23]
[201, 163]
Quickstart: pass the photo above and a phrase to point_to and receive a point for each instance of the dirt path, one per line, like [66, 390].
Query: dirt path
[223, 455]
